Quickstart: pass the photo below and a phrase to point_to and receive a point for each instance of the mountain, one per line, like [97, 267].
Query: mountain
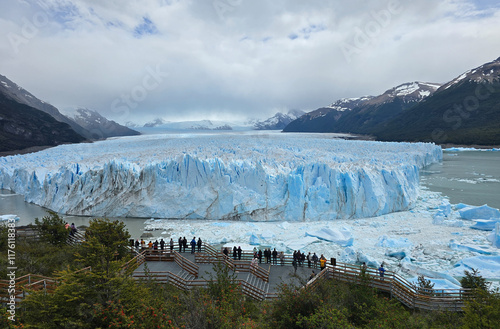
[20, 95]
[465, 110]
[365, 114]
[324, 118]
[22, 127]
[100, 127]
[155, 123]
[278, 121]
[369, 116]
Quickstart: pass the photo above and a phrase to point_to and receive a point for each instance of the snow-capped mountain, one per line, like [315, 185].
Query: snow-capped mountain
[155, 123]
[486, 73]
[465, 110]
[21, 95]
[362, 115]
[278, 121]
[408, 92]
[99, 126]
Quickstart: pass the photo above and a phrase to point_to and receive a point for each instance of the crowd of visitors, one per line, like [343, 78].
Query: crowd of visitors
[269, 256]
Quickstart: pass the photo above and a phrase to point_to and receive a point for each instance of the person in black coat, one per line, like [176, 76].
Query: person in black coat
[184, 244]
[180, 244]
[239, 253]
[275, 257]
[199, 243]
[235, 252]
[260, 256]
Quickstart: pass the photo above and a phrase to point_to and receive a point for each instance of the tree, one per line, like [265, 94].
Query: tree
[472, 280]
[79, 293]
[51, 229]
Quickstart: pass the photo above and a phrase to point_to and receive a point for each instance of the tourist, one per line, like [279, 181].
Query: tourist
[137, 244]
[294, 263]
[171, 244]
[199, 243]
[259, 254]
[309, 259]
[315, 260]
[363, 268]
[150, 245]
[143, 244]
[302, 259]
[381, 271]
[162, 244]
[275, 257]
[253, 264]
[180, 242]
[239, 252]
[322, 262]
[193, 245]
[235, 253]
[73, 229]
[184, 244]
[225, 252]
[282, 258]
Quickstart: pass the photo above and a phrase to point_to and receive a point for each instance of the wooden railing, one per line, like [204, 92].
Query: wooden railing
[397, 287]
[24, 283]
[186, 264]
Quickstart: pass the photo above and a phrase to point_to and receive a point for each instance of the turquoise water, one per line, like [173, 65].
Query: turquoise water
[470, 177]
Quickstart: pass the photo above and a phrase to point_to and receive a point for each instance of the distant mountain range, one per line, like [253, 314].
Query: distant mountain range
[465, 110]
[98, 126]
[279, 121]
[27, 121]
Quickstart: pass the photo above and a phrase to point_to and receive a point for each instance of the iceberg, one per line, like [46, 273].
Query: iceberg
[488, 266]
[222, 177]
[482, 212]
[485, 224]
[341, 237]
[6, 218]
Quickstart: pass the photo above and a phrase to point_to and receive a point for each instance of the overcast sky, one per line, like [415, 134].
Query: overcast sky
[233, 59]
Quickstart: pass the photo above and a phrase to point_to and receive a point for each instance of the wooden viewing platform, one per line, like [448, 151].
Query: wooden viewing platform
[187, 270]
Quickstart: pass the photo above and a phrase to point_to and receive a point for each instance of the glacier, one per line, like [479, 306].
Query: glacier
[228, 176]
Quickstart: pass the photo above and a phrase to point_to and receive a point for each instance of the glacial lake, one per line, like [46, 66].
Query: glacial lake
[470, 177]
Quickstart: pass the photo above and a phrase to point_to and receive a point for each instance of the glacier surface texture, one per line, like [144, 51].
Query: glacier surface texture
[253, 177]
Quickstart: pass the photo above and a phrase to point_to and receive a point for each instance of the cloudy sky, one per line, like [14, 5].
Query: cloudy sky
[138, 60]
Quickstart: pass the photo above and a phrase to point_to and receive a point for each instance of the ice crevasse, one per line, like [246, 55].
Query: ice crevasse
[299, 180]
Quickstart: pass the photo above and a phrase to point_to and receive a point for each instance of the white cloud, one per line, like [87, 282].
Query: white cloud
[246, 59]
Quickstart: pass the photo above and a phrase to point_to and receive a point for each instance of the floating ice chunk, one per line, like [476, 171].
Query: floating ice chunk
[463, 247]
[6, 218]
[341, 237]
[399, 254]
[284, 225]
[488, 266]
[267, 235]
[395, 243]
[416, 270]
[350, 255]
[485, 224]
[445, 208]
[439, 284]
[461, 206]
[495, 236]
[254, 240]
[301, 243]
[482, 212]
